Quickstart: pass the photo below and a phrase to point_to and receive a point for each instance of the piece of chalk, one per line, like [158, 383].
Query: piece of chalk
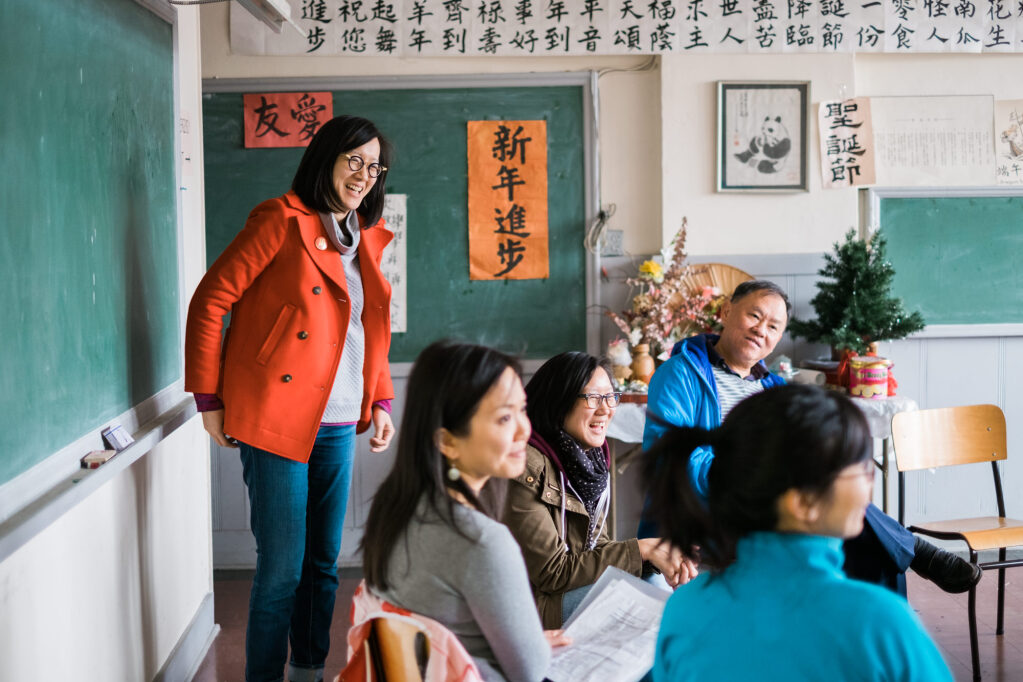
[97, 457]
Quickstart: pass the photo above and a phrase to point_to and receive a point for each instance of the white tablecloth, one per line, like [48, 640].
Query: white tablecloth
[879, 412]
[627, 425]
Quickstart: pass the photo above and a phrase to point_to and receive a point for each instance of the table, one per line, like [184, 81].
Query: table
[879, 413]
[627, 427]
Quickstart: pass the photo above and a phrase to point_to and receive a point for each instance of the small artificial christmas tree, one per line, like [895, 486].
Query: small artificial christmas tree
[855, 308]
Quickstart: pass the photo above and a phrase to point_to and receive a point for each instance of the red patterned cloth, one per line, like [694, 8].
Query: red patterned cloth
[448, 662]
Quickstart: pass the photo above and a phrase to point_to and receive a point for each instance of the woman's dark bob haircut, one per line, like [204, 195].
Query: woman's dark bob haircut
[552, 392]
[314, 179]
[447, 383]
[790, 437]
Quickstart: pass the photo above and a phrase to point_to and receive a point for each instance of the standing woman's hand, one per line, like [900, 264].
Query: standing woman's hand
[213, 422]
[383, 430]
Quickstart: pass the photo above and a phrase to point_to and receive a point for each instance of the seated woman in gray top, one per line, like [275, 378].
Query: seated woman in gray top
[431, 544]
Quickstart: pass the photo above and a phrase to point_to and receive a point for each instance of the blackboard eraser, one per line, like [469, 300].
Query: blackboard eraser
[96, 458]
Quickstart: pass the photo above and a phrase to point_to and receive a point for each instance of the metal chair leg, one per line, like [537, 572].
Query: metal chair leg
[1000, 628]
[974, 650]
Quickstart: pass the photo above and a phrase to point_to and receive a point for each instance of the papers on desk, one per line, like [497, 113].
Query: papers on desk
[614, 631]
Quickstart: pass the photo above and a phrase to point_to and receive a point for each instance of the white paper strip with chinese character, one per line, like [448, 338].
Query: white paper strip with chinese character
[394, 263]
[847, 143]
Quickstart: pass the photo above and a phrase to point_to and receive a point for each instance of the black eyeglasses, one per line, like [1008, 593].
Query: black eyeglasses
[356, 162]
[593, 400]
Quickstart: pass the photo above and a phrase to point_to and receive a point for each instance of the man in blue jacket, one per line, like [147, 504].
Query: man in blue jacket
[708, 374]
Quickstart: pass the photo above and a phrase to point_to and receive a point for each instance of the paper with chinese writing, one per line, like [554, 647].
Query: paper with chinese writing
[285, 119]
[480, 28]
[613, 632]
[393, 263]
[847, 143]
[507, 163]
[940, 141]
[1009, 142]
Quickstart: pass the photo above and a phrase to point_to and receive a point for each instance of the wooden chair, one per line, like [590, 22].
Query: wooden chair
[399, 651]
[952, 436]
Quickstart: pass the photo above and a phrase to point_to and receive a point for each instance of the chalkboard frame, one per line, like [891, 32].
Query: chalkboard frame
[870, 211]
[586, 80]
[38, 496]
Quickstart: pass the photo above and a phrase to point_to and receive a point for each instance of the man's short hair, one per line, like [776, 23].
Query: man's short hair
[755, 285]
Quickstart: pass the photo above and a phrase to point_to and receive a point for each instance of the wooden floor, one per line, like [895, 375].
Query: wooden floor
[943, 614]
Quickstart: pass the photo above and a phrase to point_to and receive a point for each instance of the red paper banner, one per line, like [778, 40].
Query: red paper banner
[285, 119]
[508, 200]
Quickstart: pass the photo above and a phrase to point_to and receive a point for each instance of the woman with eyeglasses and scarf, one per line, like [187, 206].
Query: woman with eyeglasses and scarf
[558, 508]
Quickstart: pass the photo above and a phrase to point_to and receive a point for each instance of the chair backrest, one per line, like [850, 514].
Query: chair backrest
[947, 436]
[401, 650]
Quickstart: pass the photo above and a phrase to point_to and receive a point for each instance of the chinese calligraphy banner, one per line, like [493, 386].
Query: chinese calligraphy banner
[393, 262]
[285, 119]
[847, 143]
[1009, 142]
[420, 28]
[937, 140]
[508, 200]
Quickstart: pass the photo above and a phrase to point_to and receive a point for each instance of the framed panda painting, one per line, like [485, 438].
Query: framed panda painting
[762, 136]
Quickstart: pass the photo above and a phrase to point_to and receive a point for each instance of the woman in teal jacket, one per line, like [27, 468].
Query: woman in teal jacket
[791, 477]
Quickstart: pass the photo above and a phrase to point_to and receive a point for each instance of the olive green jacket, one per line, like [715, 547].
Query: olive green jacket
[533, 514]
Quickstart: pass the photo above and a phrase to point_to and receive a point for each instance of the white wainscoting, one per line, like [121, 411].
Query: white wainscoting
[935, 371]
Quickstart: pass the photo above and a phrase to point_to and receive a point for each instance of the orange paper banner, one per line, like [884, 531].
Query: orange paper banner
[285, 119]
[508, 200]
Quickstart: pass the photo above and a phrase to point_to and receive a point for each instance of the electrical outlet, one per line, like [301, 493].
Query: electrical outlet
[614, 241]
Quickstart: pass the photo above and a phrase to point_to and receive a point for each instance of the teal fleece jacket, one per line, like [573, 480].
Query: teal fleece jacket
[785, 611]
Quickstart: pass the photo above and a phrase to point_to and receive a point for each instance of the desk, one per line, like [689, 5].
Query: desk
[879, 413]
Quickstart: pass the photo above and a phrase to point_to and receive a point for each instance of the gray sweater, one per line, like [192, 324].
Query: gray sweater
[344, 405]
[478, 589]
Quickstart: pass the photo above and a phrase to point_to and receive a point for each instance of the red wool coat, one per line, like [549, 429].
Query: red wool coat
[289, 308]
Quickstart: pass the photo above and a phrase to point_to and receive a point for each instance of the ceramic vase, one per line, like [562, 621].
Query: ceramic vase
[642, 363]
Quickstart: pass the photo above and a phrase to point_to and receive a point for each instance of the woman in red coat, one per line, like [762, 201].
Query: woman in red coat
[302, 368]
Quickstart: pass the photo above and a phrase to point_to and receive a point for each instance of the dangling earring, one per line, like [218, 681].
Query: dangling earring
[453, 473]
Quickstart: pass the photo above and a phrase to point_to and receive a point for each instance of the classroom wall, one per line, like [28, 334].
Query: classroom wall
[658, 164]
[742, 223]
[119, 588]
[629, 110]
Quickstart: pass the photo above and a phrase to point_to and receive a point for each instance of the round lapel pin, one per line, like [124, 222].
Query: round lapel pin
[321, 243]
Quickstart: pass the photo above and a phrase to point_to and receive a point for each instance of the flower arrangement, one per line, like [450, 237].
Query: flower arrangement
[666, 308]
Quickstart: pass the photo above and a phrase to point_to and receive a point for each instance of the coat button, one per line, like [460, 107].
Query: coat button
[303, 334]
[286, 378]
[321, 243]
[317, 290]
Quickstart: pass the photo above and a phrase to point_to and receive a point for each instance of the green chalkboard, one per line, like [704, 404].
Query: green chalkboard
[88, 253]
[532, 318]
[957, 259]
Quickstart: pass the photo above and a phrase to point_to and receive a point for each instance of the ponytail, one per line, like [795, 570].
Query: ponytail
[787, 438]
[679, 511]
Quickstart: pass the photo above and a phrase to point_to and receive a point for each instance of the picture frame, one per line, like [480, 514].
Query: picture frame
[763, 135]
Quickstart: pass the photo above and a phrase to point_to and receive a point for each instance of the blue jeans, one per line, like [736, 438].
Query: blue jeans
[297, 513]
